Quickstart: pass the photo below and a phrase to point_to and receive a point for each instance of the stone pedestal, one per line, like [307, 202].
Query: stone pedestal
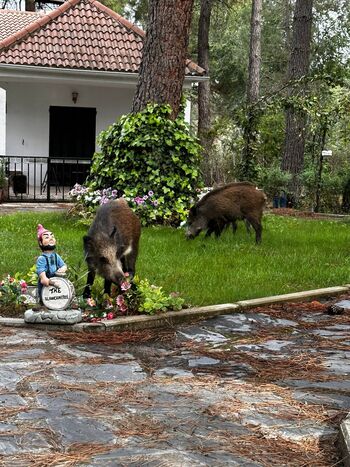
[53, 316]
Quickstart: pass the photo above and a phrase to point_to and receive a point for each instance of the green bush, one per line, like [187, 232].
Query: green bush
[274, 180]
[331, 188]
[148, 152]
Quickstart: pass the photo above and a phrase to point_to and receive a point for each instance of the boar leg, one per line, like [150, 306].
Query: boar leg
[256, 224]
[89, 282]
[216, 226]
[247, 226]
[234, 226]
[212, 227]
[107, 287]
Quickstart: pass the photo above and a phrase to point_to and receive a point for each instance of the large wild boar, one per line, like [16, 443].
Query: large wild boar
[111, 245]
[225, 205]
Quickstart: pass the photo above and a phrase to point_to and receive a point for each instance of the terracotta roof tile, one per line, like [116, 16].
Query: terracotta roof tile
[81, 34]
[13, 21]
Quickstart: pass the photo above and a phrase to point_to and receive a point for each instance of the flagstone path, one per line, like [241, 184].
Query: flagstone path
[266, 387]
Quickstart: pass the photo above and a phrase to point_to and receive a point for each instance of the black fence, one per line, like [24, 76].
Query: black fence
[42, 179]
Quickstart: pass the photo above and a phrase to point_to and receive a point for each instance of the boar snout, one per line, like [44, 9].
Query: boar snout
[191, 234]
[118, 278]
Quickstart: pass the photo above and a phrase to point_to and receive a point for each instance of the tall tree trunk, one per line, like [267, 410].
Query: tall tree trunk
[30, 5]
[288, 9]
[248, 169]
[162, 70]
[204, 116]
[299, 62]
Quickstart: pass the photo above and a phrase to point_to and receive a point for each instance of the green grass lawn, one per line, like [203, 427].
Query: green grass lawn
[295, 255]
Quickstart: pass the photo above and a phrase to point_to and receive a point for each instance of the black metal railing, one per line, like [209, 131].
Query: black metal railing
[42, 179]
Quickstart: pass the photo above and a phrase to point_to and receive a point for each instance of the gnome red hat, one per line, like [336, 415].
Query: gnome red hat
[40, 230]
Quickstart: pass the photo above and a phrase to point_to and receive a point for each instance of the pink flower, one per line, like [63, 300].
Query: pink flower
[110, 316]
[121, 303]
[150, 193]
[120, 300]
[125, 286]
[90, 302]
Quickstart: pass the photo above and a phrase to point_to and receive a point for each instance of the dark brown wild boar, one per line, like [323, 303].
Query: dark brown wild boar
[225, 205]
[111, 245]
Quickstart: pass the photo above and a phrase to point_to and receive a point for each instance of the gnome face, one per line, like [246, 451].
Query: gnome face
[48, 241]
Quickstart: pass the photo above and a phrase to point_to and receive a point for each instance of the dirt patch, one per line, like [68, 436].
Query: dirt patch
[307, 214]
[12, 311]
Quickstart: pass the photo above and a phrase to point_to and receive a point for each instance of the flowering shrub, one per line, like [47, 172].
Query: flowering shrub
[12, 291]
[88, 200]
[154, 300]
[138, 296]
[89, 197]
[132, 297]
[146, 206]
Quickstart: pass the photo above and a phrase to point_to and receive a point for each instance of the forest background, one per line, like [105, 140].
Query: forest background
[320, 94]
[278, 94]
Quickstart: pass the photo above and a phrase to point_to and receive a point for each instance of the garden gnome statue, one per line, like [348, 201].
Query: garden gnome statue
[55, 293]
[49, 263]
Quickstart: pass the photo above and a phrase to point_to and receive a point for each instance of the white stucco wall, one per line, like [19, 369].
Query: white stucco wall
[2, 121]
[27, 118]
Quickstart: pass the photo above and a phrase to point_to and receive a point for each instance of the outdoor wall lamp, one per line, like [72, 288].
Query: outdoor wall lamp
[75, 97]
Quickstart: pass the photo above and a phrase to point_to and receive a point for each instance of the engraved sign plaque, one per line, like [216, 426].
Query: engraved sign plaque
[58, 296]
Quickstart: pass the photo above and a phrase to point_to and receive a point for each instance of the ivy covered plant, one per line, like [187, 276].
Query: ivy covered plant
[148, 152]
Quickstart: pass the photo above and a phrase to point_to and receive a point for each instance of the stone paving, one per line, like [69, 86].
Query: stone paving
[13, 207]
[265, 387]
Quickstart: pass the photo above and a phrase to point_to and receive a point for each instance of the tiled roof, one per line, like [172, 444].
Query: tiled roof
[12, 21]
[80, 34]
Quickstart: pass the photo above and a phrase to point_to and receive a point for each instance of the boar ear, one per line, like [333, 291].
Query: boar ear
[113, 232]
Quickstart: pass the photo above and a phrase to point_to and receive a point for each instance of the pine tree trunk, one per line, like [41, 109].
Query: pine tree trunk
[248, 168]
[254, 53]
[162, 70]
[299, 62]
[30, 5]
[288, 9]
[204, 116]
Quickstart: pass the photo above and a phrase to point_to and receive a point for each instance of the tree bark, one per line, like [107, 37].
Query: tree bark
[287, 22]
[248, 168]
[299, 62]
[162, 70]
[30, 5]
[204, 115]
[254, 53]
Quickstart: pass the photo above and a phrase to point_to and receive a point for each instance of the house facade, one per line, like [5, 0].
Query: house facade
[64, 77]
